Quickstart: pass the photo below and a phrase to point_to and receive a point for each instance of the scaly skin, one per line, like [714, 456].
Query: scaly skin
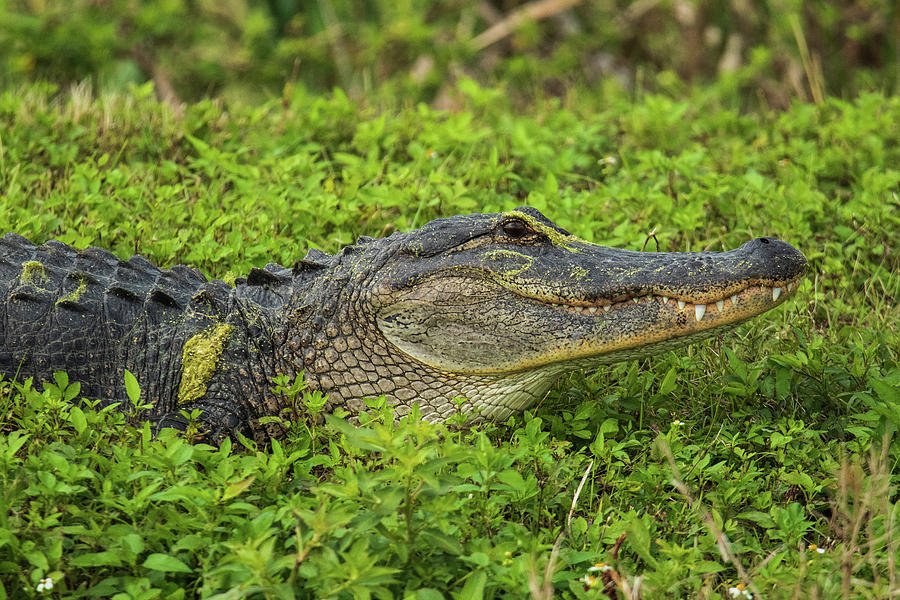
[487, 307]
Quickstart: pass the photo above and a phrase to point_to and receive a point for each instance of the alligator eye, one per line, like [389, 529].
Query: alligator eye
[515, 229]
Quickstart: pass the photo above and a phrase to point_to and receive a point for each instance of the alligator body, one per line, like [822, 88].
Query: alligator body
[487, 307]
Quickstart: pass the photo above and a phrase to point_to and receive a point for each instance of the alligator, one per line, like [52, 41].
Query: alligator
[476, 314]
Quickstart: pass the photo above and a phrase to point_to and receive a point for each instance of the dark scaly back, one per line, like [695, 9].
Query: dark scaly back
[93, 315]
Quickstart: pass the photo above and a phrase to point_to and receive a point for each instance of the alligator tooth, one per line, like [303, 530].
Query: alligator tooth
[578, 308]
[680, 304]
[592, 309]
[606, 307]
[665, 299]
[720, 305]
[635, 299]
[790, 286]
[649, 297]
[734, 299]
[775, 293]
[699, 311]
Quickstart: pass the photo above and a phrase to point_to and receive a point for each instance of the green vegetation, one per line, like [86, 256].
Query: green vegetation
[764, 463]
[380, 51]
[780, 438]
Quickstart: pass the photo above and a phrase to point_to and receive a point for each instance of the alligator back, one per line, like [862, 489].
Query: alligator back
[93, 315]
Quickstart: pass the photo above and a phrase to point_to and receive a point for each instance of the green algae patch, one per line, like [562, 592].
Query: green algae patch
[75, 295]
[199, 360]
[578, 273]
[555, 237]
[507, 256]
[33, 273]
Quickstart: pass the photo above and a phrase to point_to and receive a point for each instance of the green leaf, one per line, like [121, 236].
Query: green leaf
[478, 558]
[71, 391]
[201, 146]
[639, 540]
[237, 487]
[708, 566]
[778, 439]
[512, 478]
[786, 360]
[191, 542]
[62, 380]
[609, 425]
[474, 586]
[164, 562]
[76, 418]
[551, 187]
[14, 442]
[97, 559]
[132, 388]
[133, 542]
[439, 540]
[37, 558]
[890, 394]
[737, 365]
[800, 479]
[668, 383]
[782, 383]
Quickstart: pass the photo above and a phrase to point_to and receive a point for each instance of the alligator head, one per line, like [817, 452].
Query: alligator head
[494, 307]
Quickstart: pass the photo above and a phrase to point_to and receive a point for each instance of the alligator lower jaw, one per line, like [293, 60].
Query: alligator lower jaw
[743, 304]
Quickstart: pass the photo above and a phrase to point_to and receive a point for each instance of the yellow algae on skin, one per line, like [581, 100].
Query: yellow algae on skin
[556, 238]
[578, 273]
[33, 273]
[229, 278]
[501, 254]
[75, 294]
[199, 360]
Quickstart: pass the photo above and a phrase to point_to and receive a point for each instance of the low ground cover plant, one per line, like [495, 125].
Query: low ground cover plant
[761, 464]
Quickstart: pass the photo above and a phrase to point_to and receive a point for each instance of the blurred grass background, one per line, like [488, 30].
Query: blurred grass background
[385, 52]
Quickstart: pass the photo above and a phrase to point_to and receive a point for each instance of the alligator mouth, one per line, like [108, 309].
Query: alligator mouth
[651, 323]
[749, 301]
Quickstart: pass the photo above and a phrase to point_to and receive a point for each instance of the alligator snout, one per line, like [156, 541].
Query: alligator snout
[771, 259]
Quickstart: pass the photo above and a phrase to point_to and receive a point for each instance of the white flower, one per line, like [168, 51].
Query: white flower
[739, 591]
[589, 581]
[602, 567]
[45, 585]
[676, 423]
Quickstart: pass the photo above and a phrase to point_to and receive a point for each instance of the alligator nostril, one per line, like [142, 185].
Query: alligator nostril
[764, 240]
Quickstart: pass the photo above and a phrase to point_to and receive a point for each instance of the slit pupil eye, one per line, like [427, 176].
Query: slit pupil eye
[514, 229]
